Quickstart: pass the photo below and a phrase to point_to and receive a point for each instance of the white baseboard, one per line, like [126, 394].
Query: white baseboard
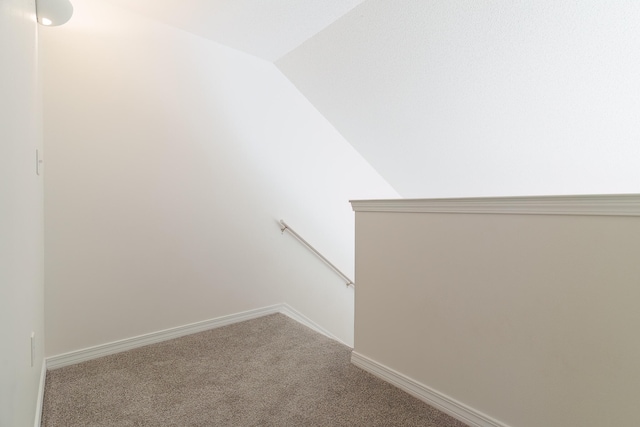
[302, 319]
[40, 401]
[86, 354]
[101, 350]
[434, 398]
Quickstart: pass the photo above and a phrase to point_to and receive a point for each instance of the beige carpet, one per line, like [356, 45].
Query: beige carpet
[270, 371]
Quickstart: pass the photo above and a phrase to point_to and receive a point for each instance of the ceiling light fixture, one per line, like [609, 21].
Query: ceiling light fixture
[53, 12]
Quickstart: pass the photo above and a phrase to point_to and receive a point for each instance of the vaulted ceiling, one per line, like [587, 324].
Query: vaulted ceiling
[266, 29]
[456, 97]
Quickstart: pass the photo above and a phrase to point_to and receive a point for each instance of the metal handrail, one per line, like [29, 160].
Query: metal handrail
[284, 226]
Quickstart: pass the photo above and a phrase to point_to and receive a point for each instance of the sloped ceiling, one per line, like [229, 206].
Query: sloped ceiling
[480, 98]
[266, 29]
[458, 97]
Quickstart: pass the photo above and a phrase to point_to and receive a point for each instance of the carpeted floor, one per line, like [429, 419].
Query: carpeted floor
[270, 371]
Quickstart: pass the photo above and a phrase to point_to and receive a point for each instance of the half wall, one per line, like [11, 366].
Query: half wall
[524, 315]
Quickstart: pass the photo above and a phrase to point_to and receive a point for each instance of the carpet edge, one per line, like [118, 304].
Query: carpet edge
[294, 314]
[428, 395]
[89, 353]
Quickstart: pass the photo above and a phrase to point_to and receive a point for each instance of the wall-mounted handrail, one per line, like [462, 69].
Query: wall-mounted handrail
[284, 226]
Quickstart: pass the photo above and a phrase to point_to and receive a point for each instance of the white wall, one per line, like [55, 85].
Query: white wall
[170, 159]
[529, 319]
[480, 98]
[21, 235]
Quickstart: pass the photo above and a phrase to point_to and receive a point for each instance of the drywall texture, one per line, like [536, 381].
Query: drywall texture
[21, 234]
[530, 319]
[483, 98]
[170, 160]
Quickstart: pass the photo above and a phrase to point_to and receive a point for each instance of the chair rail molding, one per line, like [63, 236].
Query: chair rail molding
[602, 204]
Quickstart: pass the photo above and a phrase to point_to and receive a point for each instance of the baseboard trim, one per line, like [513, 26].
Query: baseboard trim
[290, 312]
[40, 401]
[434, 398]
[101, 350]
[126, 344]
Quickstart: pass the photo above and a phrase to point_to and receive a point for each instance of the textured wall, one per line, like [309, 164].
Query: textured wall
[170, 160]
[21, 234]
[530, 319]
[477, 98]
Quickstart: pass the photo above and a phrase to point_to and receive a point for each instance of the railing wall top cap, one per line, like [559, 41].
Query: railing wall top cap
[604, 204]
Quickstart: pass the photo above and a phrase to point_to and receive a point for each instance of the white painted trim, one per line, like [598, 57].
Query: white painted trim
[608, 205]
[290, 312]
[458, 410]
[40, 401]
[101, 350]
[83, 355]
